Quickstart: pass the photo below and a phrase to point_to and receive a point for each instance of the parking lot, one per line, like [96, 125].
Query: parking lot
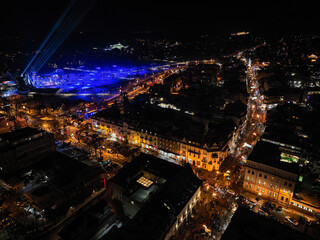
[290, 217]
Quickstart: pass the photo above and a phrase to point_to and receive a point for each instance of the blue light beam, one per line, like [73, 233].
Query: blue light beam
[77, 14]
[49, 35]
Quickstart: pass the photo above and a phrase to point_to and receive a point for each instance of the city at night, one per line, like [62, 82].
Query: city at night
[159, 120]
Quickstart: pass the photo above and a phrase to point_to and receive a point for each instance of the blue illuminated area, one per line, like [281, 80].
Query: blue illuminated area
[98, 80]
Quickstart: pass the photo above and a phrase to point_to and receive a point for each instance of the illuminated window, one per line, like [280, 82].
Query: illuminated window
[144, 182]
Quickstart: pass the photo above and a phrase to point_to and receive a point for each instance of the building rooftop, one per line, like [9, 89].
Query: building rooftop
[64, 176]
[269, 154]
[157, 215]
[249, 225]
[147, 163]
[19, 135]
[89, 223]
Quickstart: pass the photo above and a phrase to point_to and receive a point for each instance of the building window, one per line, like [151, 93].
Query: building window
[262, 190]
[252, 172]
[282, 198]
[285, 183]
[259, 181]
[290, 185]
[274, 195]
[265, 176]
[250, 186]
[248, 171]
[269, 193]
[287, 199]
[283, 190]
[270, 185]
[248, 177]
[260, 175]
[258, 189]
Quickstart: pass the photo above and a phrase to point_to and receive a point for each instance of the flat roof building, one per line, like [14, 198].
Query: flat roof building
[157, 195]
[24, 147]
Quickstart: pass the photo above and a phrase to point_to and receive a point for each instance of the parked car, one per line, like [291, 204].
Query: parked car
[291, 220]
[263, 213]
[279, 209]
[265, 209]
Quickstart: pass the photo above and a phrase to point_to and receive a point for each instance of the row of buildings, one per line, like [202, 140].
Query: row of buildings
[187, 118]
[196, 151]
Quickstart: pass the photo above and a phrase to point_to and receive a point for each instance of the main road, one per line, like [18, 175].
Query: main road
[252, 128]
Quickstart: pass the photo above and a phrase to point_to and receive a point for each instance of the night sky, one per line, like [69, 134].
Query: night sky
[35, 18]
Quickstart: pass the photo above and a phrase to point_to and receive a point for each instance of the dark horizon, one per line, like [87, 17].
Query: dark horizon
[36, 19]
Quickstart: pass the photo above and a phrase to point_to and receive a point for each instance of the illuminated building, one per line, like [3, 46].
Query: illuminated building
[118, 46]
[206, 156]
[267, 176]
